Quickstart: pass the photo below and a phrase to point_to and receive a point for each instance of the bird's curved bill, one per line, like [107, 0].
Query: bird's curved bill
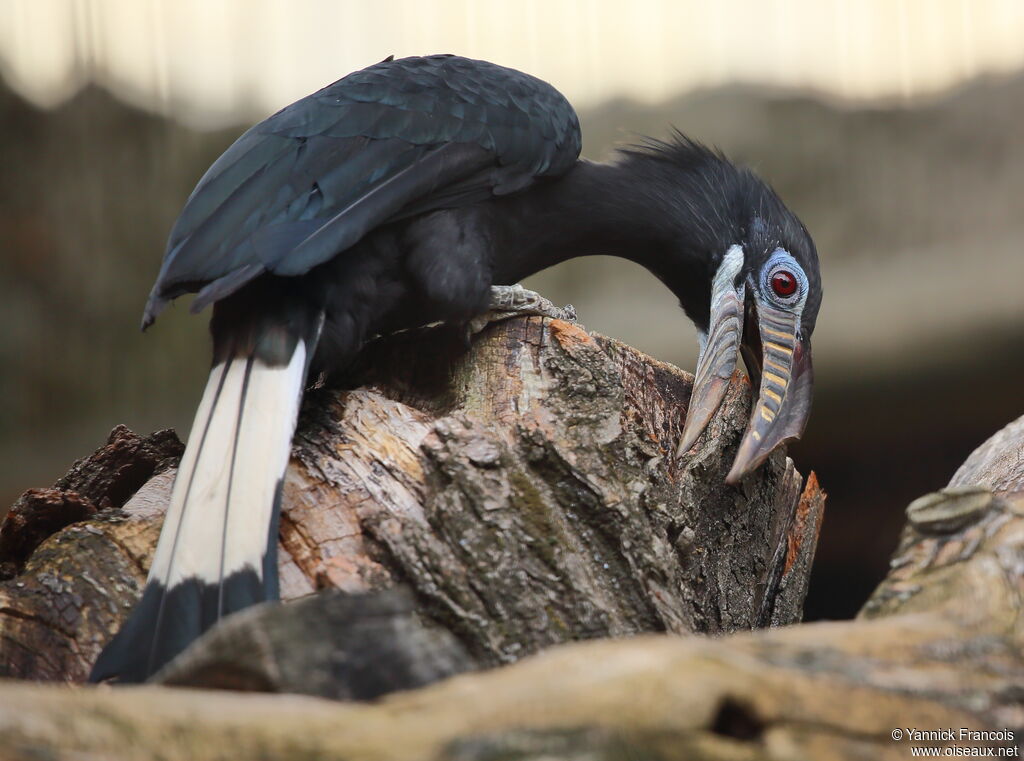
[779, 361]
[774, 350]
[719, 351]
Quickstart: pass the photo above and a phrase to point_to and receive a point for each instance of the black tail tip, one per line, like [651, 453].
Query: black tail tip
[166, 621]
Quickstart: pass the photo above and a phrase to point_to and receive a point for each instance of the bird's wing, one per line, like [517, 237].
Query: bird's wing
[397, 138]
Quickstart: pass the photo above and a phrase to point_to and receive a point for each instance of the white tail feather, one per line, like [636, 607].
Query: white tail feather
[223, 497]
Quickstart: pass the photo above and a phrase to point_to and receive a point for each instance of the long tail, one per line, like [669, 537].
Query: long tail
[217, 548]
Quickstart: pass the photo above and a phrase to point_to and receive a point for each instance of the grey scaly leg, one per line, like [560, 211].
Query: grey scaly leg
[514, 300]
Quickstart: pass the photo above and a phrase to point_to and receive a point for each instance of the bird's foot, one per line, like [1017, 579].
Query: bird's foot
[513, 301]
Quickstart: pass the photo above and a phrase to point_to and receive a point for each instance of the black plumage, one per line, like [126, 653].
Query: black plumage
[394, 140]
[399, 196]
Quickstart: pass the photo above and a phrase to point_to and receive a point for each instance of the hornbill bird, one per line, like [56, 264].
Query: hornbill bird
[399, 196]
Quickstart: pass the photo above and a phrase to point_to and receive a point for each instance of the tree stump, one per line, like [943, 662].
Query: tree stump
[523, 488]
[934, 662]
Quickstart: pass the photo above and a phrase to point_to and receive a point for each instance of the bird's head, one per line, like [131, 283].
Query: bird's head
[765, 291]
[757, 293]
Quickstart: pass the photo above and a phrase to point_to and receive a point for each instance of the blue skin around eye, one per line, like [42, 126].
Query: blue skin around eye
[782, 258]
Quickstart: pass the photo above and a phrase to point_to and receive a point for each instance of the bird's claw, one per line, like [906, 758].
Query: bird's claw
[513, 301]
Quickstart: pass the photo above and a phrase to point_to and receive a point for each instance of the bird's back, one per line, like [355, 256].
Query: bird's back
[399, 138]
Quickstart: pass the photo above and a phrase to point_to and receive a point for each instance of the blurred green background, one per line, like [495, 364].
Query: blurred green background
[892, 128]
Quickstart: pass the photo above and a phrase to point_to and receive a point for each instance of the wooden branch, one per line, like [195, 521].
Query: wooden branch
[937, 648]
[525, 490]
[64, 594]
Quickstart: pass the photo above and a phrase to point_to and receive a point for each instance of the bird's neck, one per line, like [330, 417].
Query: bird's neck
[603, 209]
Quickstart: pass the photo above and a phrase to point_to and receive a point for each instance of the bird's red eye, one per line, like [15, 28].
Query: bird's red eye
[784, 283]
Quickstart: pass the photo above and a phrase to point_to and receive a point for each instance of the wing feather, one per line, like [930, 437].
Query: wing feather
[306, 184]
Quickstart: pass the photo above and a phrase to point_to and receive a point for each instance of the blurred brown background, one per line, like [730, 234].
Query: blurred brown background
[893, 128]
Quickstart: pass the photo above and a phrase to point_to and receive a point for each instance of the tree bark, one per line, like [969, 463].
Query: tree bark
[936, 649]
[524, 488]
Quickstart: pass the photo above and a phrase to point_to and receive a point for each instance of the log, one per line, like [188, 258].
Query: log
[936, 650]
[523, 488]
